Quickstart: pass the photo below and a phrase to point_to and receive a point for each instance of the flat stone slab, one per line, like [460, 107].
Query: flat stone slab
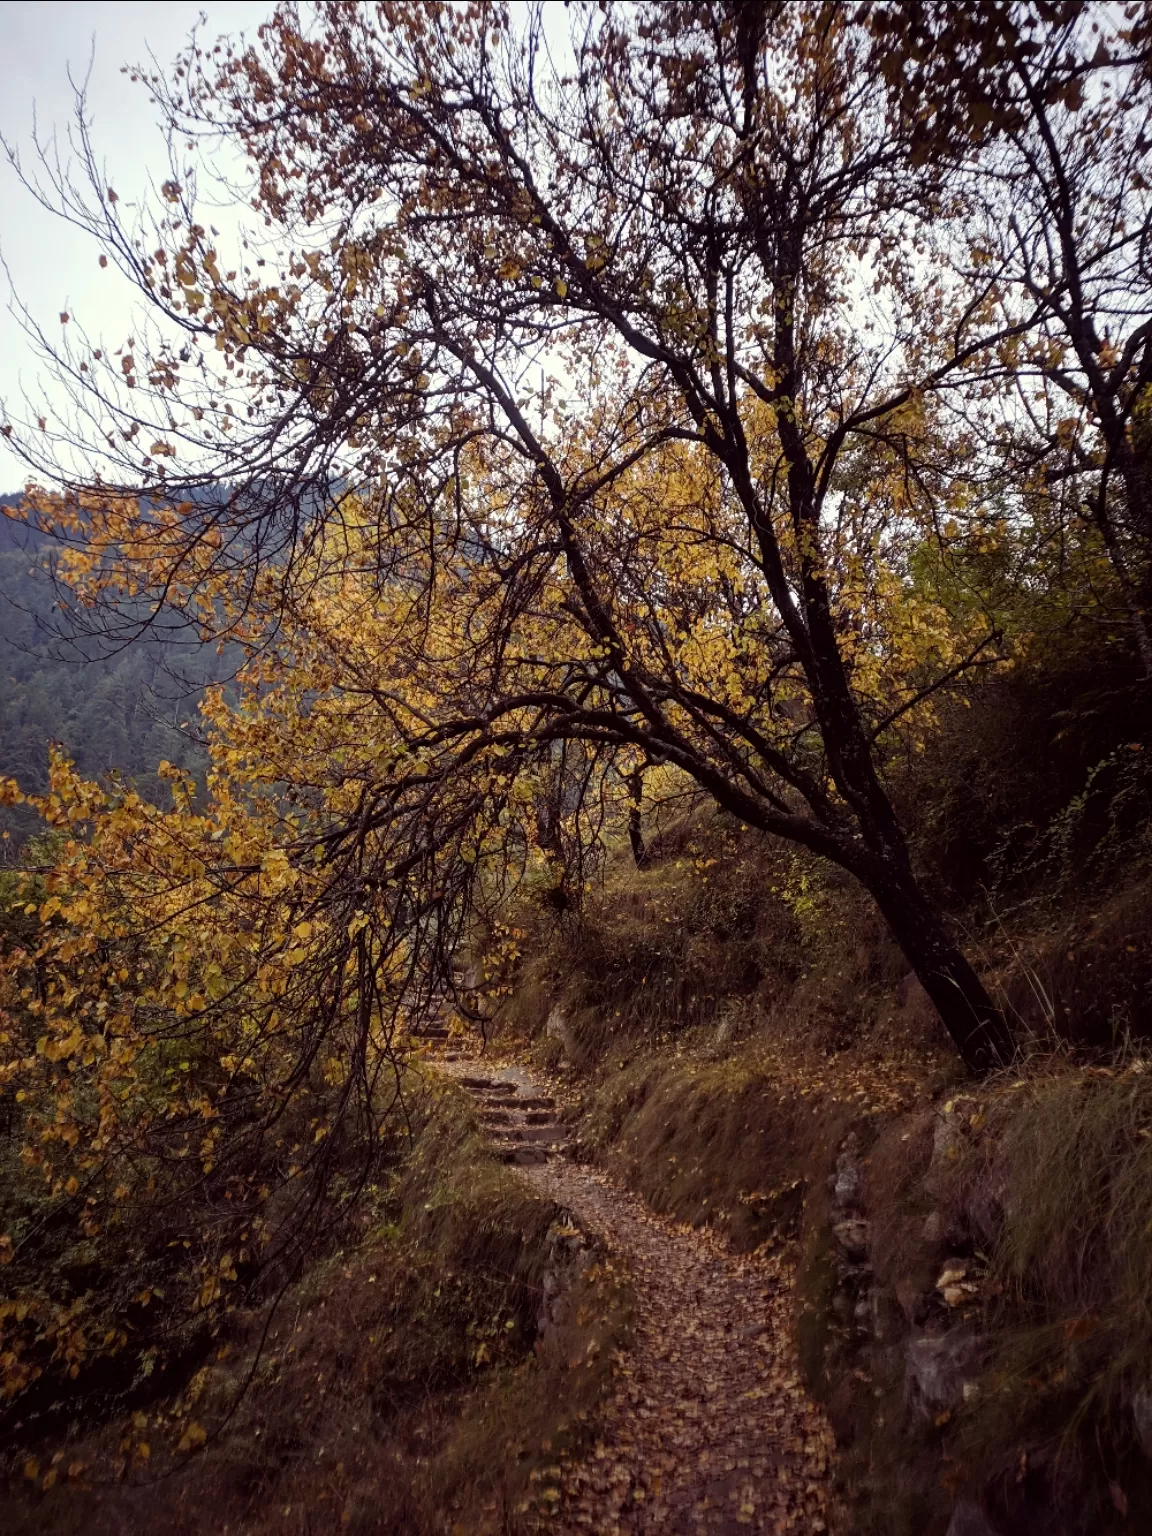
[543, 1135]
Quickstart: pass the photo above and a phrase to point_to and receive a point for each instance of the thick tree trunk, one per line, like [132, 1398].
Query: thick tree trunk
[1134, 593]
[975, 1024]
[1136, 471]
[968, 1013]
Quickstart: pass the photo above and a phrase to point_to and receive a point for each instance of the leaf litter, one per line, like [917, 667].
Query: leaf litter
[709, 1428]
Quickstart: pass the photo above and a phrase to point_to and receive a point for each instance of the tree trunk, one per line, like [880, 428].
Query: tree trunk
[1133, 593]
[975, 1024]
[635, 829]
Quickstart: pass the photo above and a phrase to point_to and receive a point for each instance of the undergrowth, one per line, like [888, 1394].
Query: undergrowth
[1066, 1165]
[398, 1386]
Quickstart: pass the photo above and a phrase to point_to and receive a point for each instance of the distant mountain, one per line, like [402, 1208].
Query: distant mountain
[120, 712]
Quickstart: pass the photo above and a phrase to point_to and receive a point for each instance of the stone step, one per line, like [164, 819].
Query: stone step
[524, 1157]
[430, 1032]
[540, 1117]
[477, 1084]
[495, 1117]
[540, 1135]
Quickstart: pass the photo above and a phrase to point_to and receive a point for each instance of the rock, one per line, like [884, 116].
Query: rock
[557, 1029]
[950, 1136]
[888, 1321]
[985, 1208]
[725, 1031]
[937, 1367]
[847, 1181]
[733, 1023]
[852, 1236]
[968, 1519]
[847, 1186]
[466, 977]
[568, 1256]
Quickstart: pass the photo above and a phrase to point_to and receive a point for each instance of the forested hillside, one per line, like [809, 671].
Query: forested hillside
[644, 1021]
[114, 709]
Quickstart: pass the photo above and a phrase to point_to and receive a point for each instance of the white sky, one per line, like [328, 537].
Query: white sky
[52, 266]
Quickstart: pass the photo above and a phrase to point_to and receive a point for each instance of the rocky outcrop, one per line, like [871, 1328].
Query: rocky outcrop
[905, 1344]
[1142, 1418]
[569, 1252]
[969, 1519]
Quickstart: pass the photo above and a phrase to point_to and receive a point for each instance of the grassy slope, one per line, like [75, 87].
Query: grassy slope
[399, 1387]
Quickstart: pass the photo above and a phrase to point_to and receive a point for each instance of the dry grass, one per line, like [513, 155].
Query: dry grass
[1047, 1199]
[731, 930]
[1082, 977]
[1068, 1161]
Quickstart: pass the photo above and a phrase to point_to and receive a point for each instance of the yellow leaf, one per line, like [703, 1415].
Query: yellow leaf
[193, 1436]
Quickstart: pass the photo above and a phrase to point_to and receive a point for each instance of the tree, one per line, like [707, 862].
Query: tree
[1041, 111]
[206, 1011]
[203, 1040]
[633, 328]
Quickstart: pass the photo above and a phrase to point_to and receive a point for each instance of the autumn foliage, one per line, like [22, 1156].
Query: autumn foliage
[652, 405]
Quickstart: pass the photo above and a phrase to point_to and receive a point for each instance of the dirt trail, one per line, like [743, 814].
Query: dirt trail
[709, 1429]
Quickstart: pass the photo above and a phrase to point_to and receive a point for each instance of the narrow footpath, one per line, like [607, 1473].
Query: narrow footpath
[709, 1429]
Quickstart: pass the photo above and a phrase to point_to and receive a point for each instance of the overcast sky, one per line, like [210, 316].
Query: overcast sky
[51, 266]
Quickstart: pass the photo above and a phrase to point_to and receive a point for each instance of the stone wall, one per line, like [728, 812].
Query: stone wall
[903, 1333]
